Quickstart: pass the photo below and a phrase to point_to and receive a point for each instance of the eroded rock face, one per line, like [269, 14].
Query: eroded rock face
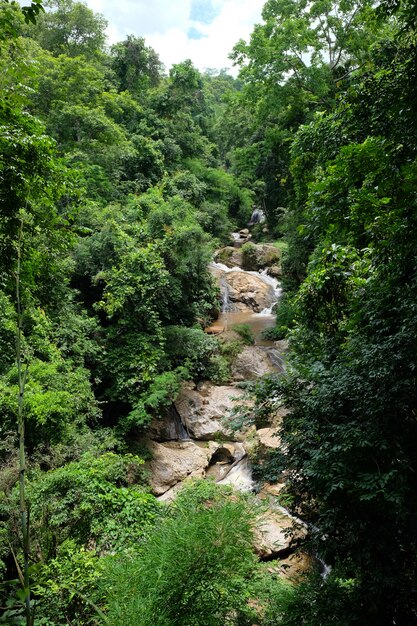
[249, 292]
[253, 362]
[174, 462]
[202, 410]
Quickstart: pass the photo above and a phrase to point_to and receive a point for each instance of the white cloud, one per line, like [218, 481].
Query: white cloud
[165, 24]
[235, 21]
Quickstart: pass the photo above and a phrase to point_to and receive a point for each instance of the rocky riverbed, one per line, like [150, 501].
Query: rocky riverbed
[194, 439]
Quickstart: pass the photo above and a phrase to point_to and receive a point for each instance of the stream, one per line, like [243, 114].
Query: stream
[194, 441]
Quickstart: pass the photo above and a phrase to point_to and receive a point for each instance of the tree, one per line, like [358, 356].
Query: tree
[137, 66]
[71, 28]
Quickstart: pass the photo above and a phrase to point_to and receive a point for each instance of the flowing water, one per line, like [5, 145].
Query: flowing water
[258, 322]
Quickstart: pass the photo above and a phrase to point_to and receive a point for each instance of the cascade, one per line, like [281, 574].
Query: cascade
[177, 430]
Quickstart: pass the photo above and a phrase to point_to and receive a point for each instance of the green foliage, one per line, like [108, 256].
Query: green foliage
[245, 332]
[192, 570]
[97, 500]
[191, 348]
[351, 388]
[70, 28]
[67, 587]
[249, 260]
[136, 65]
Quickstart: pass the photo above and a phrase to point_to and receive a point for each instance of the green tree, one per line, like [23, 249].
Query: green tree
[137, 66]
[71, 28]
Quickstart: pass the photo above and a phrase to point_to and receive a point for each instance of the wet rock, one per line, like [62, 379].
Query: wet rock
[202, 410]
[294, 566]
[226, 456]
[168, 426]
[248, 291]
[240, 476]
[274, 489]
[260, 256]
[275, 271]
[251, 363]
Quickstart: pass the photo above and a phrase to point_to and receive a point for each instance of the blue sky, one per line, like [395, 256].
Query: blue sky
[204, 31]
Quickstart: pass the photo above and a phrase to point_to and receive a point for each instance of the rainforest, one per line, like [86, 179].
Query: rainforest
[208, 322]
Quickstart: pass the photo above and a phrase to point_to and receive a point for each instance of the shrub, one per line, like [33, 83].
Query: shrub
[193, 570]
[245, 332]
[249, 260]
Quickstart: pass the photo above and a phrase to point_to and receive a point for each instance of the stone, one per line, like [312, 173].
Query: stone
[229, 256]
[295, 566]
[263, 255]
[248, 291]
[268, 438]
[275, 271]
[203, 410]
[251, 363]
[224, 459]
[240, 476]
[276, 532]
[174, 461]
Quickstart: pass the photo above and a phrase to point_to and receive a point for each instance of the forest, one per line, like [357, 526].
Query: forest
[119, 181]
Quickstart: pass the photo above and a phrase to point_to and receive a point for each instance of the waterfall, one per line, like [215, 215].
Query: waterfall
[177, 430]
[257, 217]
[225, 297]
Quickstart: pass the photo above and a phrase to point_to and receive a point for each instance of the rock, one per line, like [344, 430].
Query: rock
[273, 538]
[251, 363]
[274, 489]
[174, 461]
[168, 426]
[215, 329]
[294, 566]
[260, 256]
[248, 291]
[282, 346]
[229, 256]
[202, 410]
[240, 476]
[275, 271]
[268, 438]
[225, 457]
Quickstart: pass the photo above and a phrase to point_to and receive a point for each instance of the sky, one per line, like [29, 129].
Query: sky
[204, 31]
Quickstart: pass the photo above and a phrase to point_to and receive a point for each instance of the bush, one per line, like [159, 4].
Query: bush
[245, 332]
[191, 348]
[194, 569]
[249, 260]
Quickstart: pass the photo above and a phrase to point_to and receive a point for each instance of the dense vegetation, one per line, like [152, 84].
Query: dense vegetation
[117, 181]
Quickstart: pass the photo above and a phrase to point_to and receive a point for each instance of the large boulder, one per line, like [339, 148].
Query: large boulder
[249, 292]
[240, 476]
[174, 461]
[252, 257]
[268, 438]
[203, 409]
[276, 533]
[251, 363]
[229, 256]
[259, 256]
